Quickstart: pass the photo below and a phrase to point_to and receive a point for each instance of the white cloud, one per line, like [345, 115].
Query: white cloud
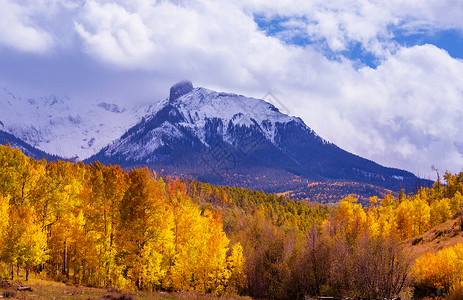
[368, 22]
[406, 113]
[18, 30]
[113, 33]
[206, 40]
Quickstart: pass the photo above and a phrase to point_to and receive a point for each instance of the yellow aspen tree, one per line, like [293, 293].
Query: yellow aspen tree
[440, 212]
[456, 202]
[25, 244]
[159, 246]
[96, 209]
[372, 216]
[18, 176]
[4, 215]
[442, 270]
[141, 217]
[235, 266]
[387, 215]
[214, 259]
[188, 246]
[405, 219]
[421, 215]
[4, 220]
[350, 218]
[200, 245]
[115, 187]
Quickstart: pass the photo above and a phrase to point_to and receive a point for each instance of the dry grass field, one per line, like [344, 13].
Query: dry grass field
[440, 237]
[48, 289]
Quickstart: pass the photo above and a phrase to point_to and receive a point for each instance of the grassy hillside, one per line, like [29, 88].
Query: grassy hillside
[440, 237]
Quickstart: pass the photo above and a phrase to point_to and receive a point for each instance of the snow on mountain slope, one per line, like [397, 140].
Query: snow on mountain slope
[197, 115]
[198, 106]
[62, 127]
[14, 142]
[202, 104]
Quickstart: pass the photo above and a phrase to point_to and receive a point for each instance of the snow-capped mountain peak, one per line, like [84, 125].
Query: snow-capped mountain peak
[199, 105]
[225, 106]
[202, 118]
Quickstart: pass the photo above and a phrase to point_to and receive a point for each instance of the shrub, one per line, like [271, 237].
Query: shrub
[417, 240]
[9, 294]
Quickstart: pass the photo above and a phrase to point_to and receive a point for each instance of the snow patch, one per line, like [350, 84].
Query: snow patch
[201, 105]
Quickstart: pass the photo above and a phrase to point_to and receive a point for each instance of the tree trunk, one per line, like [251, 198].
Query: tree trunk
[45, 209]
[137, 283]
[27, 272]
[64, 258]
[22, 192]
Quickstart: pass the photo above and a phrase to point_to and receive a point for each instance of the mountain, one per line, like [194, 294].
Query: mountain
[70, 129]
[10, 140]
[220, 138]
[224, 138]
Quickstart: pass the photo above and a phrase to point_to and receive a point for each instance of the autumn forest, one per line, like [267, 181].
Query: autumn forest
[104, 226]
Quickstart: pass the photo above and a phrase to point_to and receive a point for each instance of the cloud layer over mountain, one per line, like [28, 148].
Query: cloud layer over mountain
[374, 77]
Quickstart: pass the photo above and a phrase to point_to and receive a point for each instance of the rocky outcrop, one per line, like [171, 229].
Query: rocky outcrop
[179, 89]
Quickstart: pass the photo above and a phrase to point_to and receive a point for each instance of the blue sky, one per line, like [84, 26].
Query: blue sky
[382, 79]
[450, 40]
